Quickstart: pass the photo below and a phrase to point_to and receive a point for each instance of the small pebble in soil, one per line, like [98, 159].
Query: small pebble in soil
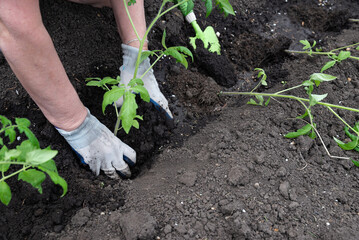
[284, 189]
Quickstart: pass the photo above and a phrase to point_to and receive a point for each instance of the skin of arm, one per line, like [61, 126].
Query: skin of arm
[31, 55]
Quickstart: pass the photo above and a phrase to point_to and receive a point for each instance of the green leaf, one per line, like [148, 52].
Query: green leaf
[10, 132]
[39, 156]
[314, 43]
[5, 193]
[303, 116]
[4, 121]
[164, 39]
[34, 177]
[328, 65]
[135, 124]
[32, 138]
[112, 96]
[252, 102]
[260, 99]
[314, 98]
[92, 78]
[94, 84]
[131, 2]
[356, 163]
[136, 81]
[49, 166]
[321, 77]
[225, 7]
[3, 167]
[22, 123]
[12, 154]
[343, 55]
[145, 96]
[306, 44]
[185, 51]
[302, 131]
[312, 134]
[209, 7]
[128, 111]
[50, 169]
[145, 55]
[177, 55]
[307, 83]
[267, 102]
[357, 48]
[109, 80]
[1, 141]
[25, 147]
[351, 136]
[346, 146]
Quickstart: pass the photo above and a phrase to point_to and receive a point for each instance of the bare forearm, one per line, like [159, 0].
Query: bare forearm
[137, 13]
[36, 64]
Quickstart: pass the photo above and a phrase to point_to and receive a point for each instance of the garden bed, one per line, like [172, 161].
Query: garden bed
[222, 169]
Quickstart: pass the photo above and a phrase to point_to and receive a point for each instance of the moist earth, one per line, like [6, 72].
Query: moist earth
[222, 169]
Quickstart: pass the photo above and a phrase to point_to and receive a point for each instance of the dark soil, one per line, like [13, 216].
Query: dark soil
[222, 169]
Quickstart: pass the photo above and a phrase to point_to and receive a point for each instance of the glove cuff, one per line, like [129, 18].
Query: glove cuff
[129, 60]
[191, 17]
[81, 136]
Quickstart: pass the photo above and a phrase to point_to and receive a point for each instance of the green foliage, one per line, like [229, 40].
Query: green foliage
[127, 115]
[131, 2]
[225, 7]
[115, 90]
[262, 82]
[306, 130]
[308, 46]
[179, 53]
[354, 143]
[309, 85]
[32, 161]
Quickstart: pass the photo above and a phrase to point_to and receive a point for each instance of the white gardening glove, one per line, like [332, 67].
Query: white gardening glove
[149, 80]
[100, 149]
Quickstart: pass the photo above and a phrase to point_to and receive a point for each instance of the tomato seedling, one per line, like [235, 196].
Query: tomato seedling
[127, 117]
[33, 162]
[314, 80]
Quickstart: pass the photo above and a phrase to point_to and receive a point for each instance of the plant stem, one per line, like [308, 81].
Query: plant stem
[288, 89]
[341, 119]
[158, 58]
[309, 113]
[10, 126]
[290, 97]
[317, 53]
[353, 20]
[307, 52]
[118, 121]
[15, 163]
[14, 173]
[142, 41]
[129, 17]
[345, 47]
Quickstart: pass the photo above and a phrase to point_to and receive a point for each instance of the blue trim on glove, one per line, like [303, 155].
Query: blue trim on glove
[159, 108]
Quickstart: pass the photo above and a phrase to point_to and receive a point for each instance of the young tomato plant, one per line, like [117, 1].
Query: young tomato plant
[32, 161]
[313, 99]
[127, 117]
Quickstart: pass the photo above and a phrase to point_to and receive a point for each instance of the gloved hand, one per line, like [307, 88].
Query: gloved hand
[100, 149]
[149, 80]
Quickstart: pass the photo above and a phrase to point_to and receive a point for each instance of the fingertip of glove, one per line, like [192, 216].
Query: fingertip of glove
[124, 173]
[111, 174]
